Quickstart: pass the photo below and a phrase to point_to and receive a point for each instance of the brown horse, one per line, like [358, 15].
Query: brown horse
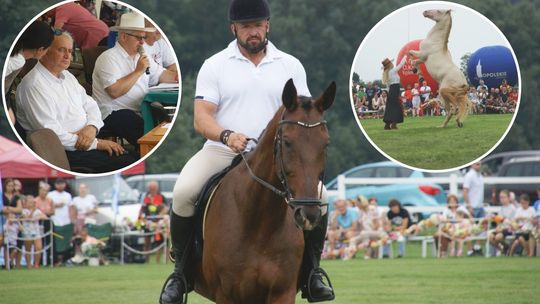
[254, 226]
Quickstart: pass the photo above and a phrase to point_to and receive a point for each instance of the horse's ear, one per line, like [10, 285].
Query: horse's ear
[327, 99]
[289, 95]
[448, 11]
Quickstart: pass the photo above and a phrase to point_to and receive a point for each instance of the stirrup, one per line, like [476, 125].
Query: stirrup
[324, 275]
[182, 278]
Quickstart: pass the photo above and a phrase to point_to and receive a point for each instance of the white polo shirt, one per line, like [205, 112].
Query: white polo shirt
[56, 103]
[61, 215]
[247, 96]
[161, 53]
[475, 183]
[112, 65]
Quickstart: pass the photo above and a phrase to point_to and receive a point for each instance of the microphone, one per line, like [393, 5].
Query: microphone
[141, 52]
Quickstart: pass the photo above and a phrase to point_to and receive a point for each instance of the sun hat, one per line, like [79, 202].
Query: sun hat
[132, 22]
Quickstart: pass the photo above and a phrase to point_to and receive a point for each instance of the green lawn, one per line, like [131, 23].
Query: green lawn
[419, 143]
[408, 280]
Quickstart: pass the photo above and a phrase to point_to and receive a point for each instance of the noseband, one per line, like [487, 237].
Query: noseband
[278, 157]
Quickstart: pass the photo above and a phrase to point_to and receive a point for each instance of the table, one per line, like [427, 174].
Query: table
[152, 138]
[166, 98]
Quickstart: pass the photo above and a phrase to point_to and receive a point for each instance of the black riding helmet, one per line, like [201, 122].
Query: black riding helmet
[248, 10]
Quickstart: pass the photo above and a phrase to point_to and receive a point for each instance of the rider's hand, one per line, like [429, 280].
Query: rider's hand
[237, 142]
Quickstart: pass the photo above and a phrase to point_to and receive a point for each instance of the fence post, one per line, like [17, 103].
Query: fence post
[122, 248]
[51, 227]
[342, 187]
[453, 184]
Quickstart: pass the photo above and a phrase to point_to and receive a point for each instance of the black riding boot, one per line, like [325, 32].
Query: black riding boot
[312, 280]
[178, 285]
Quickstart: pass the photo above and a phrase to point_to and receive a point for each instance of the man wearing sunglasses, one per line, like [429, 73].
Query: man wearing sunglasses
[122, 76]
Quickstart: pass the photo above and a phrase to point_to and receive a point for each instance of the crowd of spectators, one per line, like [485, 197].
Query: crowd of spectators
[512, 230]
[98, 97]
[420, 100]
[25, 223]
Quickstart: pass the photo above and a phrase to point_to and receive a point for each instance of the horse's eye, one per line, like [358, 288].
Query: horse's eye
[287, 143]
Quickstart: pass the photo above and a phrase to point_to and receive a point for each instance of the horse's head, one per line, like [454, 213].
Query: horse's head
[300, 152]
[437, 15]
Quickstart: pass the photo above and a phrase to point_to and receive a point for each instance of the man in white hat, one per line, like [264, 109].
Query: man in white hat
[122, 76]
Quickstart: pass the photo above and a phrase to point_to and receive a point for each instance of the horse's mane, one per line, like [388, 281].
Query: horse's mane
[448, 33]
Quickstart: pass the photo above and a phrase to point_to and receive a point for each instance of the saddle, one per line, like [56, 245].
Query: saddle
[202, 203]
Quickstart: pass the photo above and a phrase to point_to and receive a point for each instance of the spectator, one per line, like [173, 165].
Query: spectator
[482, 98]
[416, 99]
[86, 205]
[74, 117]
[32, 44]
[361, 98]
[473, 97]
[397, 222]
[32, 232]
[481, 85]
[425, 92]
[408, 97]
[87, 30]
[120, 81]
[157, 49]
[371, 93]
[524, 217]
[371, 228]
[473, 195]
[12, 200]
[64, 210]
[459, 231]
[381, 103]
[537, 202]
[342, 228]
[45, 204]
[502, 230]
[12, 227]
[504, 85]
[373, 201]
[90, 248]
[153, 215]
[442, 236]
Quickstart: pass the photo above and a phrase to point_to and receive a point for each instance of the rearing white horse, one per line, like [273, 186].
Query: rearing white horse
[436, 56]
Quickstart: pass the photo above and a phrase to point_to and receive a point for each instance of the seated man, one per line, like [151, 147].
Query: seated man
[158, 50]
[51, 97]
[122, 76]
[343, 227]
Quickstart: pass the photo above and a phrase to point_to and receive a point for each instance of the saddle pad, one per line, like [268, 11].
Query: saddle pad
[201, 205]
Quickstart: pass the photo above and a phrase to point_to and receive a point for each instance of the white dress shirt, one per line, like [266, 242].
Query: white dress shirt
[13, 67]
[247, 96]
[475, 183]
[161, 53]
[56, 103]
[112, 65]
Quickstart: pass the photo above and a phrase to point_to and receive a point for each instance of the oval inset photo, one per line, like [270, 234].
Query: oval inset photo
[91, 89]
[435, 86]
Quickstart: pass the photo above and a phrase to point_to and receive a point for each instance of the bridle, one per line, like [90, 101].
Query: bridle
[278, 158]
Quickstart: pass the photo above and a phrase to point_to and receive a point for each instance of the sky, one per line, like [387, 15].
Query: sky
[470, 31]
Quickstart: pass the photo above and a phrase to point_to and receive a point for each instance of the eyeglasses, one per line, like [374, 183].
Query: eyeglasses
[139, 38]
[57, 32]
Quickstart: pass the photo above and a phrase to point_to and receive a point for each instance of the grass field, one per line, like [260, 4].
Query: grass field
[474, 280]
[419, 143]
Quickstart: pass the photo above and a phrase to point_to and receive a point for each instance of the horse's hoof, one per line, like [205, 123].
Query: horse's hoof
[460, 124]
[441, 126]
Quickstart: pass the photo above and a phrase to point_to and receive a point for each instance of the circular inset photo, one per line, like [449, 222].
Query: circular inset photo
[435, 86]
[91, 89]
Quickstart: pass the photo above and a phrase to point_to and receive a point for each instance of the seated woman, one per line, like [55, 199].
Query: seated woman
[524, 226]
[506, 214]
[371, 229]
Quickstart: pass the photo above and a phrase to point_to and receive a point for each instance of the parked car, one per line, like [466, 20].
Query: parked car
[102, 188]
[165, 181]
[423, 194]
[493, 162]
[517, 167]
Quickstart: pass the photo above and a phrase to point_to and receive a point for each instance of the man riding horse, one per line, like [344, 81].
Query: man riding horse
[238, 91]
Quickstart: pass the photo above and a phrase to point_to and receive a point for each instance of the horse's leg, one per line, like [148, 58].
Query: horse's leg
[419, 55]
[446, 98]
[463, 108]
